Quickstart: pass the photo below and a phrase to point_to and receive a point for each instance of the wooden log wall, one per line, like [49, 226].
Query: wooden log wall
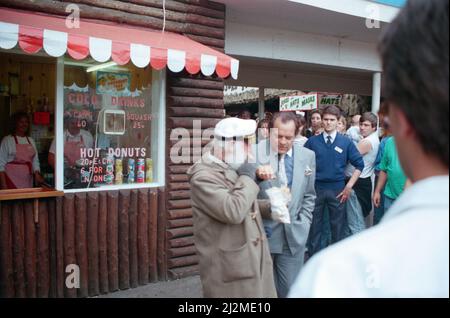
[203, 21]
[182, 109]
[189, 98]
[112, 230]
[111, 236]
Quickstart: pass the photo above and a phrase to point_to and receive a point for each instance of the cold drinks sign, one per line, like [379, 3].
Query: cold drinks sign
[299, 103]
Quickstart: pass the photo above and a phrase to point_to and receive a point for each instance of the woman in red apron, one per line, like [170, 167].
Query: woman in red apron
[72, 150]
[18, 173]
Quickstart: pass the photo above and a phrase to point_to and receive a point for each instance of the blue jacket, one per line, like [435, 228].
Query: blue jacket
[331, 160]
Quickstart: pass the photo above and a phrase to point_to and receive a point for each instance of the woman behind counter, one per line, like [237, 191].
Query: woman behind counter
[19, 161]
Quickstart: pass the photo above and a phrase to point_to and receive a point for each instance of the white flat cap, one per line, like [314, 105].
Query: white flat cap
[235, 127]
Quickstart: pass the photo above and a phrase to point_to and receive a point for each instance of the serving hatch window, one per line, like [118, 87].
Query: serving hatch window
[27, 108]
[110, 122]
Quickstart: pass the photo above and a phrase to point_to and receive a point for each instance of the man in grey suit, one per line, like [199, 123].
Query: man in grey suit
[296, 169]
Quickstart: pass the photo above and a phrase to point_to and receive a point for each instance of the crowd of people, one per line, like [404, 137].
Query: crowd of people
[366, 202]
[329, 179]
[341, 180]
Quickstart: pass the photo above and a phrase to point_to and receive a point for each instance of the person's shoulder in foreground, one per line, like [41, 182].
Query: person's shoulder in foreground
[413, 260]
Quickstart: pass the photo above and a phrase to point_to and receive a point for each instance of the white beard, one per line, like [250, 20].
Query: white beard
[237, 157]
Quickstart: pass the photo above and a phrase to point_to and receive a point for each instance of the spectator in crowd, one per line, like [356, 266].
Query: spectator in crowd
[301, 139]
[407, 254]
[245, 114]
[386, 134]
[359, 205]
[342, 125]
[268, 116]
[315, 124]
[353, 132]
[391, 177]
[355, 120]
[263, 131]
[333, 153]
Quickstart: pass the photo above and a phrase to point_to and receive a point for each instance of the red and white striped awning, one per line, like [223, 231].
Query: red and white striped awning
[103, 42]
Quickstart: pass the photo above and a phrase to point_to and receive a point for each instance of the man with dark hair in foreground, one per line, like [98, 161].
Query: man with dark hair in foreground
[407, 254]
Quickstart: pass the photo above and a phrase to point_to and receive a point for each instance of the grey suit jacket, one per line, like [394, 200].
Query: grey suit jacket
[303, 198]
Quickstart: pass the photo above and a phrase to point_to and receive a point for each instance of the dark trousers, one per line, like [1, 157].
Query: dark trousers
[338, 219]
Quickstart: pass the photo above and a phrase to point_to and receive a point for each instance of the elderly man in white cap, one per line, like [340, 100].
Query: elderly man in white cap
[229, 234]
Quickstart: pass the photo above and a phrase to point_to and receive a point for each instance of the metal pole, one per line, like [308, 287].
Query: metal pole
[261, 103]
[376, 92]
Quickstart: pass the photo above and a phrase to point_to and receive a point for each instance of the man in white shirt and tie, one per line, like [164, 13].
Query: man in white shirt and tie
[296, 171]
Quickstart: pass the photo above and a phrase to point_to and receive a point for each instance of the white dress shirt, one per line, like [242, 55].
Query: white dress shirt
[332, 135]
[406, 255]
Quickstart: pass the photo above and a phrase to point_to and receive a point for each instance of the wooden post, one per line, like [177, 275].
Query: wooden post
[30, 250]
[124, 254]
[102, 243]
[6, 259]
[142, 238]
[81, 244]
[92, 239]
[36, 210]
[134, 271]
[162, 257]
[153, 235]
[60, 277]
[113, 240]
[51, 206]
[43, 265]
[69, 239]
[18, 249]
